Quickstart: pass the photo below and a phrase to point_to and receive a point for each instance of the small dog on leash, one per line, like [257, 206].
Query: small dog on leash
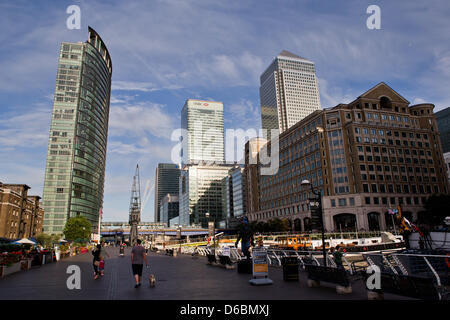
[152, 280]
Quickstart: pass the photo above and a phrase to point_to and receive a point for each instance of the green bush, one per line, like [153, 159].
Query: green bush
[7, 247]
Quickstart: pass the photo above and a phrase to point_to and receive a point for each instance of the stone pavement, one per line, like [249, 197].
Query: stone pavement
[178, 278]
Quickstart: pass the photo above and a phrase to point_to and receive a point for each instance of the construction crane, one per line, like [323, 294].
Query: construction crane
[135, 208]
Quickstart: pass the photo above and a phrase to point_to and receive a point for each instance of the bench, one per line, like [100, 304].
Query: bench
[337, 276]
[404, 285]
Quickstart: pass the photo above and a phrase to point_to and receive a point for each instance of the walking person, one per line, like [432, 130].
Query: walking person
[101, 267]
[96, 261]
[246, 237]
[138, 256]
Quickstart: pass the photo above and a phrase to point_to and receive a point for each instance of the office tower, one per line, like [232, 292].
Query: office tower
[239, 197]
[75, 170]
[443, 122]
[169, 208]
[203, 124]
[166, 181]
[21, 215]
[447, 164]
[288, 92]
[251, 172]
[201, 190]
[365, 157]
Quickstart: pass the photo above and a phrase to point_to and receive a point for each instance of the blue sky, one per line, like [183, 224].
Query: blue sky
[165, 52]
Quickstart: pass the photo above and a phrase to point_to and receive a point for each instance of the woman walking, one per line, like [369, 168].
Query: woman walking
[96, 262]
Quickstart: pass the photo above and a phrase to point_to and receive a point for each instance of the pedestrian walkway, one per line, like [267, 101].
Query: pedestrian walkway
[178, 278]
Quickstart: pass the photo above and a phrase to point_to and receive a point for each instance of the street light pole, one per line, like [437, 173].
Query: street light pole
[319, 198]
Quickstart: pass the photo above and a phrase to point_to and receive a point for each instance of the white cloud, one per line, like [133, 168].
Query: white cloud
[26, 130]
[140, 119]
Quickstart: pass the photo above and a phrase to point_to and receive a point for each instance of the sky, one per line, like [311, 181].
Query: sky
[166, 51]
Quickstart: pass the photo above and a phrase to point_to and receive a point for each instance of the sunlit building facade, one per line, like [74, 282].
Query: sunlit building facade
[203, 125]
[76, 158]
[365, 158]
[288, 91]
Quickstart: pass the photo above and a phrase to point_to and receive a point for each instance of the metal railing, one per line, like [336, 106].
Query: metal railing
[419, 265]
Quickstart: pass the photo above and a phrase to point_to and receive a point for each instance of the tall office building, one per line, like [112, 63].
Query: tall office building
[169, 208]
[201, 191]
[166, 181]
[443, 122]
[203, 122]
[288, 91]
[75, 170]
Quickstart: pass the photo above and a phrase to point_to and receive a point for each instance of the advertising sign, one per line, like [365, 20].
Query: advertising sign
[260, 262]
[226, 251]
[211, 228]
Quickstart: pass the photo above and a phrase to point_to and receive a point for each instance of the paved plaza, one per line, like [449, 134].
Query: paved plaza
[178, 278]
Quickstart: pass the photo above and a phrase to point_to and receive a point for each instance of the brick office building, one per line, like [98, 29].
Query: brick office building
[21, 215]
[365, 157]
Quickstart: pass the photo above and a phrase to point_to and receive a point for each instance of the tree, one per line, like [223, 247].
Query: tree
[436, 208]
[43, 239]
[77, 228]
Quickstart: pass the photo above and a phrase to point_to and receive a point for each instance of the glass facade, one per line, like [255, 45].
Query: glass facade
[443, 122]
[201, 191]
[75, 169]
[166, 181]
[203, 122]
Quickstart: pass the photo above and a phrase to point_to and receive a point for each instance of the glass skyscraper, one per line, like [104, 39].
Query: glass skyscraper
[166, 182]
[75, 170]
[443, 122]
[203, 122]
[288, 91]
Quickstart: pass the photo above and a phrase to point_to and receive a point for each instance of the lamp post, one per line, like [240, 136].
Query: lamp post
[179, 229]
[318, 207]
[207, 215]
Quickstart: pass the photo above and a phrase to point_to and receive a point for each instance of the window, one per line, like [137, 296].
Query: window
[333, 203]
[352, 201]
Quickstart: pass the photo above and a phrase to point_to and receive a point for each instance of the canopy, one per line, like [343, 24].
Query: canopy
[25, 241]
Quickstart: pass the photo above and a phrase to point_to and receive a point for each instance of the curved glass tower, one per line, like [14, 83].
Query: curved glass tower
[76, 158]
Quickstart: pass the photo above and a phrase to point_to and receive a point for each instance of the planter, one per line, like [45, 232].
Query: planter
[15, 267]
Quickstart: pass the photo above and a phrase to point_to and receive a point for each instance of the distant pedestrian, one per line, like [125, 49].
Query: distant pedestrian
[337, 254]
[246, 237]
[138, 256]
[101, 266]
[96, 261]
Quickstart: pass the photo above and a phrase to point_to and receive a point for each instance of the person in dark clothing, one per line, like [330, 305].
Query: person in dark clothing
[96, 261]
[337, 254]
[246, 238]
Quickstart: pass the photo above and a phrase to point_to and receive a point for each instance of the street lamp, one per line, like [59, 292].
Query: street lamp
[207, 215]
[318, 208]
